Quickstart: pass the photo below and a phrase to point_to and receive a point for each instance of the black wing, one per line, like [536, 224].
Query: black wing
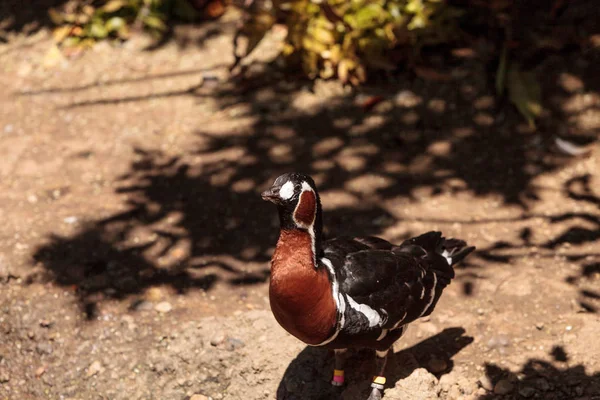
[403, 282]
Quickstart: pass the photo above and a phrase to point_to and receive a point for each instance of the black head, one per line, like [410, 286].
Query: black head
[297, 199]
[287, 188]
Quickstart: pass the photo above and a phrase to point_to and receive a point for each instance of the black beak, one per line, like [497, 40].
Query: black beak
[271, 195]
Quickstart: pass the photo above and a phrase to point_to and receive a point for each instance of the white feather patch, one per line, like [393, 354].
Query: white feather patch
[306, 186]
[339, 301]
[432, 295]
[372, 316]
[287, 190]
[446, 255]
[382, 354]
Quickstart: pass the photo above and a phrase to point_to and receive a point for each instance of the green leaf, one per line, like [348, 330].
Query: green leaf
[114, 24]
[370, 16]
[524, 92]
[71, 41]
[98, 30]
[155, 22]
[501, 72]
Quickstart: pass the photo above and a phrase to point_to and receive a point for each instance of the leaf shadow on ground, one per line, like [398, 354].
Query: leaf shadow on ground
[581, 228]
[308, 376]
[556, 378]
[196, 218]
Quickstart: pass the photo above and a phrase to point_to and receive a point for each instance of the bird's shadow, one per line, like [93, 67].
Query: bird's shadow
[308, 375]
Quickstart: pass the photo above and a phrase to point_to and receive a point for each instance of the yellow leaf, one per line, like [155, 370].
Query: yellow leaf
[115, 24]
[60, 33]
[327, 71]
[155, 22]
[114, 5]
[344, 68]
[89, 10]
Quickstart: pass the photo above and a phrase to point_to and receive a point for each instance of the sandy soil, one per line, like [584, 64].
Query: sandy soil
[134, 250]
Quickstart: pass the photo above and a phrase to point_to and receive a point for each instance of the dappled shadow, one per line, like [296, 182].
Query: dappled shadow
[197, 217]
[27, 16]
[309, 374]
[581, 230]
[555, 380]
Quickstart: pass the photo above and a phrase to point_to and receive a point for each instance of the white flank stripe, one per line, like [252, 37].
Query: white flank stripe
[446, 255]
[399, 321]
[382, 354]
[383, 334]
[432, 294]
[339, 301]
[372, 316]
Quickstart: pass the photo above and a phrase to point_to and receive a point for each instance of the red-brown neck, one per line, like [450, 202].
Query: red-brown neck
[300, 294]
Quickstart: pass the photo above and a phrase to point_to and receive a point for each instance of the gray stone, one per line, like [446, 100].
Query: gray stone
[503, 387]
[527, 391]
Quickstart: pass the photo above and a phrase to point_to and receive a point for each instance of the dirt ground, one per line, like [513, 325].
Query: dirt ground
[134, 250]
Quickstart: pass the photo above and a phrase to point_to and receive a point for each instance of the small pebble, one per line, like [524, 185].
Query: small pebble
[40, 371]
[543, 384]
[234, 344]
[4, 378]
[46, 324]
[142, 305]
[486, 383]
[43, 348]
[70, 220]
[527, 391]
[199, 397]
[93, 369]
[163, 307]
[217, 340]
[436, 366]
[539, 325]
[503, 387]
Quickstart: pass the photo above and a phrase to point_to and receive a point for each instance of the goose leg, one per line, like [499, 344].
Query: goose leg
[338, 372]
[379, 380]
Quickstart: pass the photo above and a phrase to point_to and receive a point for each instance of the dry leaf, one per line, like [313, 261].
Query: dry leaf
[429, 74]
[59, 34]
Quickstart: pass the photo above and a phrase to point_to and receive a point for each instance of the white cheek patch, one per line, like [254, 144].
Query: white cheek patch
[287, 190]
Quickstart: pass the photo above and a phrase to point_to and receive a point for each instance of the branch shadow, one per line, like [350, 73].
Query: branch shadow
[560, 382]
[197, 217]
[580, 229]
[308, 375]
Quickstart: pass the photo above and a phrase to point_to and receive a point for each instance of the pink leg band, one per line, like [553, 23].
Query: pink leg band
[338, 379]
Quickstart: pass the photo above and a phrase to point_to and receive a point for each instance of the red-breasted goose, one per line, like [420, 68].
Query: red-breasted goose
[351, 292]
